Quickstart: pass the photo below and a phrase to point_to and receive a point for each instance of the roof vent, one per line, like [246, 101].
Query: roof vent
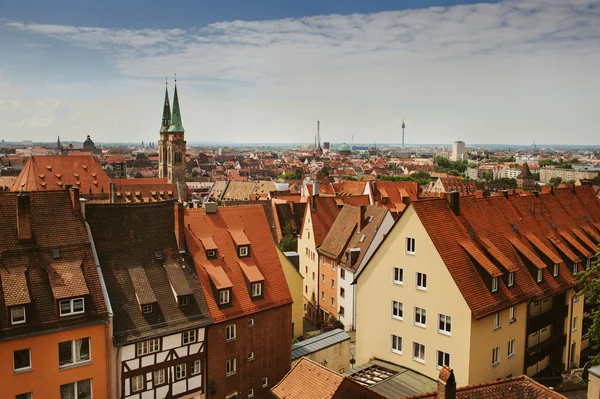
[514, 227]
[553, 225]
[56, 253]
[158, 254]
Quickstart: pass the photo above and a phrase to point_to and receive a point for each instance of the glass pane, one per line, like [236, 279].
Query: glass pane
[77, 305]
[67, 391]
[21, 359]
[84, 389]
[65, 353]
[83, 349]
[65, 307]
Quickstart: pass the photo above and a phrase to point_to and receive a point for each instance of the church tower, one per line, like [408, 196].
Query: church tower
[175, 145]
[162, 141]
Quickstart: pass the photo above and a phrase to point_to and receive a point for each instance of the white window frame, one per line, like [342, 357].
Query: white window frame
[28, 367]
[250, 393]
[332, 302]
[511, 348]
[12, 315]
[342, 311]
[180, 371]
[398, 272]
[183, 300]
[230, 366]
[251, 356]
[71, 303]
[147, 309]
[495, 356]
[230, 332]
[588, 264]
[196, 367]
[342, 273]
[421, 314]
[265, 382]
[494, 284]
[322, 277]
[332, 265]
[511, 279]
[158, 377]
[445, 359]
[74, 348]
[396, 344]
[497, 320]
[211, 253]
[410, 245]
[147, 347]
[575, 298]
[512, 314]
[575, 268]
[575, 321]
[555, 269]
[137, 383]
[540, 275]
[397, 310]
[244, 251]
[224, 297]
[444, 324]
[189, 337]
[418, 349]
[75, 390]
[256, 289]
[250, 323]
[423, 278]
[29, 395]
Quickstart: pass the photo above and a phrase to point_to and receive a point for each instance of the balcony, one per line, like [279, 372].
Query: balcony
[556, 313]
[540, 351]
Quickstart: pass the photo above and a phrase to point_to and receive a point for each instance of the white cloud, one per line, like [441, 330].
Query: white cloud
[505, 72]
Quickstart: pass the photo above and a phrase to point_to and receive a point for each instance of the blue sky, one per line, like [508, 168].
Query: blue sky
[266, 70]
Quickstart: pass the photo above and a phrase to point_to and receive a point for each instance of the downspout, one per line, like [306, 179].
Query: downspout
[568, 366]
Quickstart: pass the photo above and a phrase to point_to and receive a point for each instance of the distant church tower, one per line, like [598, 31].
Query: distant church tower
[171, 145]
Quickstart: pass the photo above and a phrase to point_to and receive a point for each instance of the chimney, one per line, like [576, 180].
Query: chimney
[505, 193]
[446, 386]
[82, 207]
[179, 225]
[24, 232]
[536, 193]
[210, 207]
[375, 192]
[74, 193]
[453, 199]
[112, 192]
[361, 218]
[316, 188]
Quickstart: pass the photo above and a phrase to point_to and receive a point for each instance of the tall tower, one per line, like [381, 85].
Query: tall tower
[318, 149]
[162, 141]
[403, 126]
[175, 145]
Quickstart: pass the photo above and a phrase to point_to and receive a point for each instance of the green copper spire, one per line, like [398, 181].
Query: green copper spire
[176, 125]
[166, 118]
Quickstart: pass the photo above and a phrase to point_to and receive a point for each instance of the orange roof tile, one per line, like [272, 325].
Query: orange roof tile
[323, 382]
[573, 241]
[141, 285]
[251, 272]
[544, 249]
[14, 286]
[585, 239]
[564, 249]
[499, 256]
[218, 277]
[529, 254]
[483, 261]
[239, 237]
[66, 279]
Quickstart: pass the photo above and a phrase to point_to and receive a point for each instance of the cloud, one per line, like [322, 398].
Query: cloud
[509, 70]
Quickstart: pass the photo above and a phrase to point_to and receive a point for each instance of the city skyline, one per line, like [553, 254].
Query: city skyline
[507, 72]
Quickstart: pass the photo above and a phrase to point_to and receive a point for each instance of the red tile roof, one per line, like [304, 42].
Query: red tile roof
[324, 211]
[226, 269]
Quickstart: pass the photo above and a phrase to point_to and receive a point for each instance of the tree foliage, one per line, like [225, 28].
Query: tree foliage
[555, 181]
[423, 178]
[289, 241]
[297, 175]
[591, 290]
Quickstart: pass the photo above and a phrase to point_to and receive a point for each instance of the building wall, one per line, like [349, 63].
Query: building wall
[309, 267]
[335, 357]
[566, 174]
[328, 295]
[376, 290]
[45, 378]
[593, 386]
[296, 285]
[574, 334]
[269, 339]
[484, 338]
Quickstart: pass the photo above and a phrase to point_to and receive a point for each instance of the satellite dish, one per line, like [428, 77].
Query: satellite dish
[352, 361]
[586, 371]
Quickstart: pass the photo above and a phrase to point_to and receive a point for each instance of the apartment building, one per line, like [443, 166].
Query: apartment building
[483, 285]
[249, 344]
[353, 238]
[54, 321]
[568, 174]
[160, 312]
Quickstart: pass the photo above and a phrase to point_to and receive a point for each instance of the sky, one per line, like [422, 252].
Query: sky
[500, 72]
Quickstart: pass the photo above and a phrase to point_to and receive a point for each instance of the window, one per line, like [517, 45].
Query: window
[494, 284]
[419, 352]
[445, 325]
[147, 309]
[230, 332]
[22, 359]
[511, 348]
[497, 320]
[443, 359]
[575, 320]
[77, 390]
[159, 377]
[250, 393]
[421, 281]
[496, 356]
[511, 279]
[196, 369]
[410, 245]
[332, 265]
[540, 275]
[512, 314]
[243, 251]
[576, 299]
[323, 277]
[332, 302]
[322, 295]
[575, 265]
[17, 315]
[341, 312]
[180, 371]
[588, 264]
[396, 344]
[224, 297]
[397, 310]
[250, 322]
[306, 269]
[306, 289]
[420, 317]
[150, 346]
[73, 352]
[555, 270]
[265, 382]
[398, 275]
[188, 337]
[211, 254]
[256, 289]
[230, 366]
[313, 276]
[251, 356]
[183, 301]
[71, 306]
[332, 283]
[342, 273]
[342, 293]
[28, 395]
[322, 259]
[137, 383]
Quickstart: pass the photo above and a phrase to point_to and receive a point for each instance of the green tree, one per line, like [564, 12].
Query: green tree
[591, 290]
[555, 181]
[289, 241]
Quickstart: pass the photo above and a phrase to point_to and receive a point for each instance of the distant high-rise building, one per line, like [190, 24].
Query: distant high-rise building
[171, 145]
[318, 149]
[458, 151]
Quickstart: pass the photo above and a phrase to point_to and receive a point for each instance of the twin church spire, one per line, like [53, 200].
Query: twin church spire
[171, 144]
[171, 122]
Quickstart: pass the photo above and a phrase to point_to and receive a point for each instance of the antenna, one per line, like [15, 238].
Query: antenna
[403, 126]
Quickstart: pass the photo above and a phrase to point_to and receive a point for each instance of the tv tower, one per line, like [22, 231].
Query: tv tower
[403, 126]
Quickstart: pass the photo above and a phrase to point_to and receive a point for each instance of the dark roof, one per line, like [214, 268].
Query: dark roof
[318, 342]
[138, 254]
[29, 274]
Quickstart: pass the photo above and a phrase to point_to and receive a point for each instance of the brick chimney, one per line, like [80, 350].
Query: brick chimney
[24, 232]
[74, 193]
[446, 386]
[361, 217]
[179, 225]
[453, 199]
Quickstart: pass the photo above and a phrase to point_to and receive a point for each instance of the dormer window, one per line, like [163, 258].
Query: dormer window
[588, 264]
[540, 275]
[257, 290]
[55, 253]
[494, 284]
[511, 280]
[575, 267]
[183, 300]
[211, 254]
[555, 270]
[243, 251]
[158, 254]
[224, 297]
[70, 307]
[147, 309]
[384, 200]
[17, 315]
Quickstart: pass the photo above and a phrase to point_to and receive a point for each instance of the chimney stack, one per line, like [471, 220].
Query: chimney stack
[112, 192]
[505, 193]
[316, 188]
[24, 232]
[74, 193]
[179, 225]
[361, 217]
[82, 207]
[453, 199]
[446, 386]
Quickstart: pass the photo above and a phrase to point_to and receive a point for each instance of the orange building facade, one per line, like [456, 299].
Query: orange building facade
[328, 288]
